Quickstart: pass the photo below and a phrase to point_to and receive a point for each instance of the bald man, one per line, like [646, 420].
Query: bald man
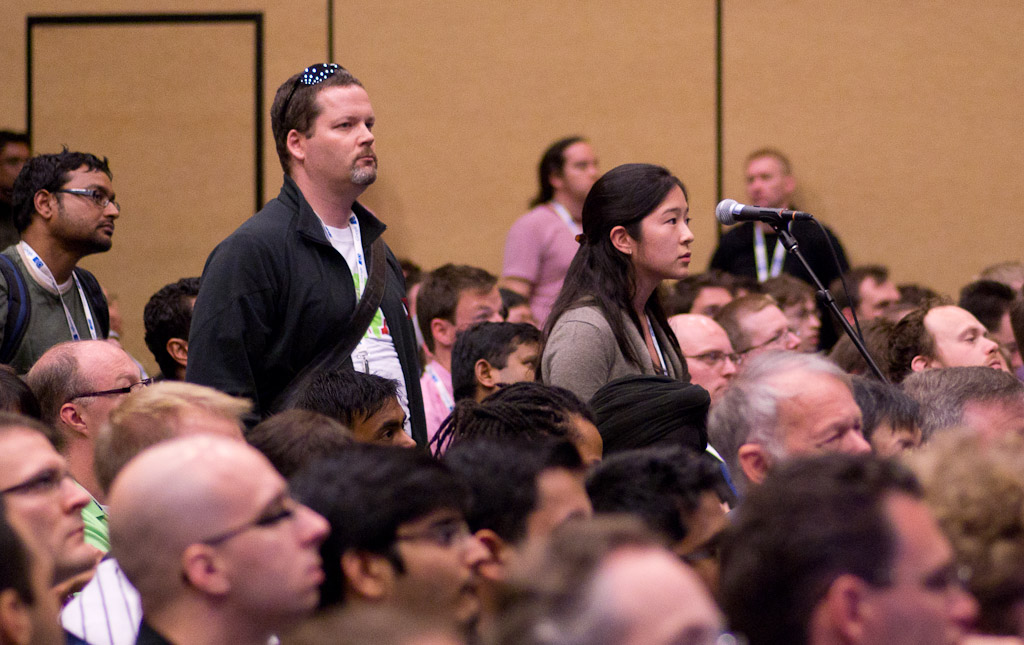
[709, 354]
[108, 611]
[206, 530]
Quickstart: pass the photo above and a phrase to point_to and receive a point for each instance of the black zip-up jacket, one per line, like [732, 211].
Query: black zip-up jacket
[275, 294]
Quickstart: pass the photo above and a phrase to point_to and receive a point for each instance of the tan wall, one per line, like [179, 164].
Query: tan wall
[903, 120]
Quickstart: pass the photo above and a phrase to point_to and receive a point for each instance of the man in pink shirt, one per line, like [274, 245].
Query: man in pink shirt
[451, 299]
[541, 244]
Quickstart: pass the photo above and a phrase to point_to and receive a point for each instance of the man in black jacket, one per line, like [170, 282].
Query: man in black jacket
[280, 291]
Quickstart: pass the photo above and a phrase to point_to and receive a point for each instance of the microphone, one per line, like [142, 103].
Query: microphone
[730, 211]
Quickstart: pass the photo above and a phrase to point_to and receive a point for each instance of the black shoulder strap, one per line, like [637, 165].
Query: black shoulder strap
[18, 308]
[366, 308]
[97, 301]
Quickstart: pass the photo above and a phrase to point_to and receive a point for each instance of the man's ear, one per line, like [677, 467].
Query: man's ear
[295, 141]
[15, 621]
[485, 374]
[844, 611]
[443, 332]
[369, 575]
[754, 461]
[495, 566]
[204, 571]
[45, 204]
[177, 348]
[622, 240]
[921, 363]
[72, 420]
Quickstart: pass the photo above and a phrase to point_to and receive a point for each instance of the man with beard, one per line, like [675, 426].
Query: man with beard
[279, 293]
[65, 210]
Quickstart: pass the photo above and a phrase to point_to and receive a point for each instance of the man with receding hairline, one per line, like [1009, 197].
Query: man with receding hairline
[205, 529]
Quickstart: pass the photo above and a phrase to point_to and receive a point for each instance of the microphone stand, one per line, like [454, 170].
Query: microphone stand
[825, 297]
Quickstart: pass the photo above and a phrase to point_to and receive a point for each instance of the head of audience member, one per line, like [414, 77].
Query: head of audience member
[990, 302]
[709, 355]
[527, 410]
[366, 404]
[373, 625]
[489, 355]
[167, 318]
[651, 410]
[871, 294]
[989, 402]
[15, 394]
[516, 307]
[41, 497]
[703, 293]
[607, 581]
[294, 438]
[14, 153]
[912, 296]
[770, 181]
[1009, 273]
[520, 492]
[937, 334]
[755, 325]
[77, 385]
[891, 419]
[635, 235]
[674, 493]
[45, 211]
[295, 120]
[841, 549]
[976, 490]
[876, 336]
[454, 297]
[796, 300]
[566, 172]
[206, 531]
[166, 410]
[29, 612]
[398, 533]
[782, 405]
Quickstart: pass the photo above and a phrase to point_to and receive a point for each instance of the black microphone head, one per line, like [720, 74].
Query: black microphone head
[725, 210]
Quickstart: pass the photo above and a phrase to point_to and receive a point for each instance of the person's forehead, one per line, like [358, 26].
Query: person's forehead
[950, 319]
[104, 361]
[762, 165]
[24, 452]
[14, 149]
[701, 337]
[767, 320]
[475, 298]
[83, 177]
[579, 151]
[437, 516]
[343, 98]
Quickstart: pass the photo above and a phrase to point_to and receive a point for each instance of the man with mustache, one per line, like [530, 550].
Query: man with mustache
[280, 292]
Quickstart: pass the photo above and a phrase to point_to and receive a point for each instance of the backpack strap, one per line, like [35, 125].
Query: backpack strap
[97, 301]
[19, 308]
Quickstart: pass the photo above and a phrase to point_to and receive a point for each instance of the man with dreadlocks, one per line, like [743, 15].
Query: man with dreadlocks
[526, 410]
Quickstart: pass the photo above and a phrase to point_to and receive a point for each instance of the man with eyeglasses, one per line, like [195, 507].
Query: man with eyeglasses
[42, 499]
[64, 208]
[841, 549]
[398, 534]
[77, 385]
[280, 292]
[709, 354]
[206, 530]
[755, 324]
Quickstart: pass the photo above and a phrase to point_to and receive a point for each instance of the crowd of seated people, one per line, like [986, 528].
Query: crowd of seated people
[598, 446]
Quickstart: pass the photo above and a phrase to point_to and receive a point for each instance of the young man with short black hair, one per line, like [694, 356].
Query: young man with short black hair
[489, 355]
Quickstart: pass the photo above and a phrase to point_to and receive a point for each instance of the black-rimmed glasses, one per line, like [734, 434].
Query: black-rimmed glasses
[98, 197]
[41, 483]
[128, 389]
[312, 75]
[265, 519]
[716, 357]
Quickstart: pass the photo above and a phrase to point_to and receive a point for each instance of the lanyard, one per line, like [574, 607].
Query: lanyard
[361, 275]
[446, 398]
[38, 263]
[761, 258]
[657, 347]
[566, 217]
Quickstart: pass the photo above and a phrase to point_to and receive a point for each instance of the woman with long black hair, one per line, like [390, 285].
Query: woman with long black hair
[607, 321]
